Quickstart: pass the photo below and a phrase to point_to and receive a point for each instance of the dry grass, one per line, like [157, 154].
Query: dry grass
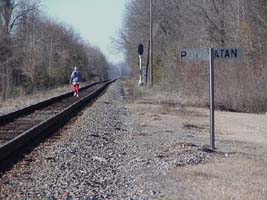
[23, 101]
[234, 178]
[238, 172]
[198, 127]
[132, 90]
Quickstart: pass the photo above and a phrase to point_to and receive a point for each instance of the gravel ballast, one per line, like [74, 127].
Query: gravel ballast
[107, 153]
[81, 163]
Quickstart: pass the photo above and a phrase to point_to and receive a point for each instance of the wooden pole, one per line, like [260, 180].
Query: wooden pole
[151, 47]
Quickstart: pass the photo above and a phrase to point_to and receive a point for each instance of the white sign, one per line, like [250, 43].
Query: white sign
[194, 54]
[229, 53]
[203, 54]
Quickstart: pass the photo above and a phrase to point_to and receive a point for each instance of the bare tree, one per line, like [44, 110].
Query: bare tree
[11, 14]
[13, 11]
[37, 52]
[201, 24]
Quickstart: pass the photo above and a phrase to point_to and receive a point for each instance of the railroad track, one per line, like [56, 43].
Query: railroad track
[19, 128]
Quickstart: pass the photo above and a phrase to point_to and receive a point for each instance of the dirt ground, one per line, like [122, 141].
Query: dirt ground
[167, 155]
[236, 170]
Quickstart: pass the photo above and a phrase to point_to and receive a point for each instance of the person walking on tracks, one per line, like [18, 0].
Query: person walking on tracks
[75, 80]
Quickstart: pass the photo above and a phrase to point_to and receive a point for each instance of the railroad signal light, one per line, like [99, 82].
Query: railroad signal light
[140, 49]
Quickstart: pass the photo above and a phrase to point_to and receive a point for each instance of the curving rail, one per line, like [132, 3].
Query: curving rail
[20, 127]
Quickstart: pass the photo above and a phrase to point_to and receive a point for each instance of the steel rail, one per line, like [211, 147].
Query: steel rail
[45, 127]
[4, 119]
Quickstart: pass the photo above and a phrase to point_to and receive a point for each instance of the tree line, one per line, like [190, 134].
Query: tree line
[38, 52]
[177, 24]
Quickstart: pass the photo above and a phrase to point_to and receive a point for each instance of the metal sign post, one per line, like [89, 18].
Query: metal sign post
[212, 134]
[211, 54]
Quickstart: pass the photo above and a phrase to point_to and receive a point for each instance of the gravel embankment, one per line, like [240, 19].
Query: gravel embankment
[104, 154]
[81, 163]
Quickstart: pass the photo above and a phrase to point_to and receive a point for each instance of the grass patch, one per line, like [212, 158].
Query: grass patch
[193, 126]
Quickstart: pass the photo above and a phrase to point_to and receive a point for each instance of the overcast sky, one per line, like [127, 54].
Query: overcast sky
[95, 20]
